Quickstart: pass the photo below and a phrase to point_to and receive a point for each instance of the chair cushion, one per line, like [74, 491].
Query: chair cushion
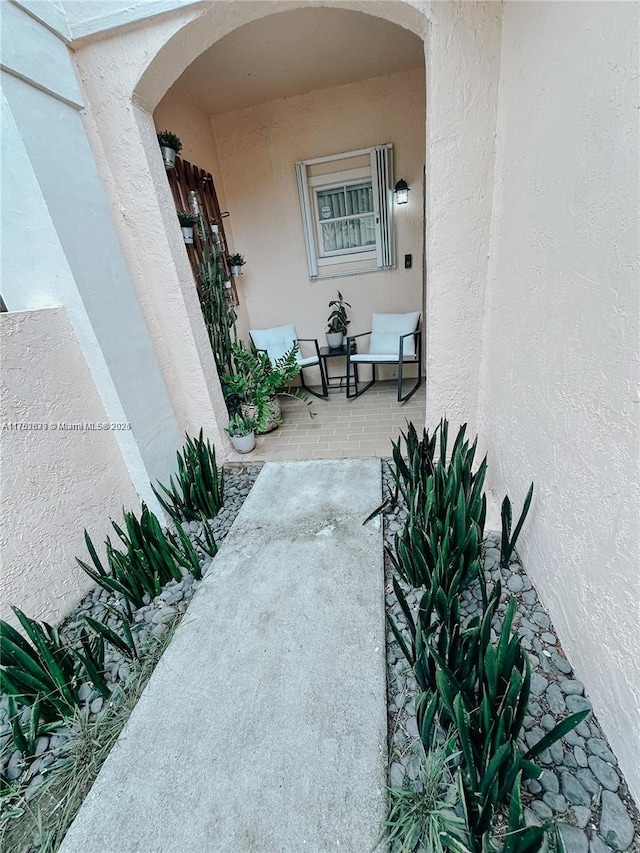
[277, 341]
[380, 357]
[307, 361]
[386, 330]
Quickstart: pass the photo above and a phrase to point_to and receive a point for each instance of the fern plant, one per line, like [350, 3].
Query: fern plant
[257, 380]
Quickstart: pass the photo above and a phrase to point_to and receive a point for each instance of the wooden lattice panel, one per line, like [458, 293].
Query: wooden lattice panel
[184, 179]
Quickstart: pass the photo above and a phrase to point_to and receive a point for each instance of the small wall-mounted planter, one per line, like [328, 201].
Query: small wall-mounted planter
[244, 443]
[169, 157]
[235, 270]
[187, 233]
[227, 285]
[170, 145]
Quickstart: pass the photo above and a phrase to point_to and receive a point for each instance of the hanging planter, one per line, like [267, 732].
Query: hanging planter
[236, 262]
[187, 221]
[170, 146]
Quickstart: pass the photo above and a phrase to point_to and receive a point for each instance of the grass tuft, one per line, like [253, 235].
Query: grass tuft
[423, 816]
[41, 821]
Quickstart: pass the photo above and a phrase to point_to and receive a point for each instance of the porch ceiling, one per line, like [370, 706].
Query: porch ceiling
[294, 52]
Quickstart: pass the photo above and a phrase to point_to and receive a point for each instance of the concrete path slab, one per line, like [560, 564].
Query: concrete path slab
[263, 728]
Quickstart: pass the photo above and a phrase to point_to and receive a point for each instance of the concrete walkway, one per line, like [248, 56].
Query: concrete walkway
[263, 728]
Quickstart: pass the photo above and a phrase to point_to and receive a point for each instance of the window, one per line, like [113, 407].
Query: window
[347, 204]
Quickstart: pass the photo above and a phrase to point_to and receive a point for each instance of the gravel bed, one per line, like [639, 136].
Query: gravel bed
[581, 788]
[150, 622]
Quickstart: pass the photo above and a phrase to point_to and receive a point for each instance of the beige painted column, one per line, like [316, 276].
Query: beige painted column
[123, 139]
[463, 64]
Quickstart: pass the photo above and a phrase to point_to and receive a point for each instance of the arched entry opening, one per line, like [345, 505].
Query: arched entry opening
[126, 74]
[303, 85]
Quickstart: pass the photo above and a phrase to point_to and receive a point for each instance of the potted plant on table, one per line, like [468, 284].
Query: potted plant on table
[187, 222]
[236, 262]
[241, 431]
[170, 146]
[257, 381]
[337, 322]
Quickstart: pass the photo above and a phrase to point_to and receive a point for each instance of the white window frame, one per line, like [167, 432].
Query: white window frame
[380, 173]
[337, 180]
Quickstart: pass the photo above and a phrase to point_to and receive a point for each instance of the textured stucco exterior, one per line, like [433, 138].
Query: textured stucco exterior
[532, 304]
[53, 199]
[463, 62]
[54, 480]
[559, 402]
[148, 229]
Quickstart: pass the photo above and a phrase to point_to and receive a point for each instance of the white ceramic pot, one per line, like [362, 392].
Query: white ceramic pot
[187, 233]
[236, 270]
[334, 339]
[243, 443]
[169, 157]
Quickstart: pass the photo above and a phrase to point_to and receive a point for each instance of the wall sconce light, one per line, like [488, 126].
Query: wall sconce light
[402, 192]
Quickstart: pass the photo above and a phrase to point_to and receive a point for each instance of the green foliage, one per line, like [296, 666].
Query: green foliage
[150, 559]
[187, 219]
[167, 139]
[479, 688]
[440, 546]
[42, 822]
[208, 544]
[240, 425]
[520, 838]
[42, 670]
[422, 817]
[25, 736]
[508, 542]
[217, 309]
[337, 321]
[200, 484]
[124, 643]
[256, 380]
[91, 658]
[236, 260]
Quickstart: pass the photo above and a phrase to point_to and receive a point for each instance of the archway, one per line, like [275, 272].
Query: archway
[125, 76]
[296, 85]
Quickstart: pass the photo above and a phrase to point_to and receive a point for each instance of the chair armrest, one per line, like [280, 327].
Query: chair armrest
[361, 335]
[313, 341]
[418, 335]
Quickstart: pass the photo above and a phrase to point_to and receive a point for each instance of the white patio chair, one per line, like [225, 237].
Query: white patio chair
[277, 341]
[395, 339]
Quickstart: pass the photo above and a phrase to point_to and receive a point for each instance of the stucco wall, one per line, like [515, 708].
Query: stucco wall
[53, 199]
[148, 229]
[463, 64]
[258, 148]
[54, 481]
[560, 371]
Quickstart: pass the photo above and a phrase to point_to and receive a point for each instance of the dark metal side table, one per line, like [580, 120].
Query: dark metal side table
[327, 353]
